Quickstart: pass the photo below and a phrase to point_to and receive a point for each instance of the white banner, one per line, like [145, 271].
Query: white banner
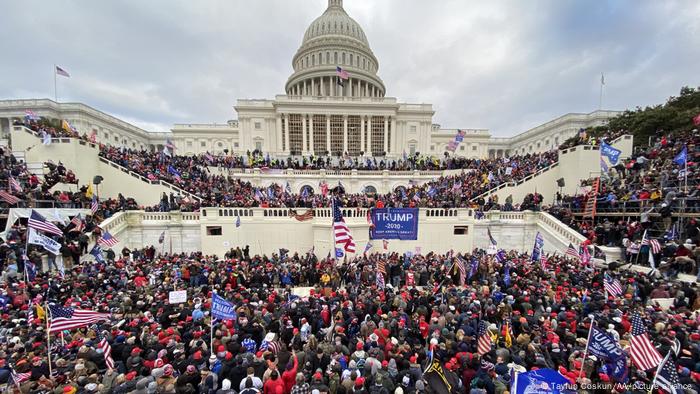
[49, 244]
[177, 297]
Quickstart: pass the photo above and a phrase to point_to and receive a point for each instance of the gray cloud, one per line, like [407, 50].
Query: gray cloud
[506, 66]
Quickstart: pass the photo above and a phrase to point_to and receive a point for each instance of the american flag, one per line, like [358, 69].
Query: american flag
[77, 223]
[19, 378]
[667, 376]
[571, 251]
[62, 72]
[29, 114]
[342, 74]
[8, 198]
[30, 313]
[585, 255]
[380, 280]
[108, 240]
[15, 185]
[644, 354]
[341, 232]
[61, 318]
[381, 266]
[462, 266]
[107, 352]
[38, 222]
[612, 286]
[94, 205]
[653, 244]
[483, 344]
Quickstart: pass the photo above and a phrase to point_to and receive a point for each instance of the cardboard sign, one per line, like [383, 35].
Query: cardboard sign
[177, 297]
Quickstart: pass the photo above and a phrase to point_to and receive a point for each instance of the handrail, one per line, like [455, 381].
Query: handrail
[514, 183]
[115, 165]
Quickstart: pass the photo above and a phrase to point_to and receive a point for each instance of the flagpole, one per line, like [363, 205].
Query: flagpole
[658, 368]
[644, 236]
[55, 91]
[600, 98]
[585, 352]
[47, 316]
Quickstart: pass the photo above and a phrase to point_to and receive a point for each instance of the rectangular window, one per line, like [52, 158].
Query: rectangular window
[257, 126]
[354, 146]
[432, 147]
[377, 135]
[461, 230]
[235, 145]
[189, 144]
[412, 149]
[295, 137]
[307, 130]
[413, 129]
[461, 147]
[284, 135]
[336, 134]
[319, 134]
[202, 143]
[474, 148]
[214, 230]
[258, 146]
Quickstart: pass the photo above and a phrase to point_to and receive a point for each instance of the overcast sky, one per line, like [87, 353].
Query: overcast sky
[506, 65]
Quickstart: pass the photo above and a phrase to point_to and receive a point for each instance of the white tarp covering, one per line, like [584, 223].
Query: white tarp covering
[51, 214]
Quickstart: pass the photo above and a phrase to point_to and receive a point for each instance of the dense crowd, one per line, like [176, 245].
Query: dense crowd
[348, 335]
[192, 174]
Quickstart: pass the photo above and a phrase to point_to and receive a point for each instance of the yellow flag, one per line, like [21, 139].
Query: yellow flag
[88, 192]
[508, 338]
[40, 312]
[65, 125]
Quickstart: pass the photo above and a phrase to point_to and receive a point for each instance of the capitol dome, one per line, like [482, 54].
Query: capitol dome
[335, 40]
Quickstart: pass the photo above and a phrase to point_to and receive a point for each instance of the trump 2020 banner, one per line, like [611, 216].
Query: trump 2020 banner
[394, 223]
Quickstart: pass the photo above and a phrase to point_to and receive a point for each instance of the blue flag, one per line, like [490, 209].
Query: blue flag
[611, 153]
[473, 266]
[537, 249]
[338, 253]
[238, 221]
[603, 346]
[222, 309]
[501, 255]
[97, 252]
[682, 158]
[541, 381]
[506, 275]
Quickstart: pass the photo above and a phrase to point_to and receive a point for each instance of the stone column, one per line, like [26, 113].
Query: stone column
[386, 134]
[286, 133]
[369, 134]
[303, 134]
[303, 90]
[279, 134]
[362, 134]
[313, 86]
[345, 133]
[311, 133]
[328, 133]
[392, 133]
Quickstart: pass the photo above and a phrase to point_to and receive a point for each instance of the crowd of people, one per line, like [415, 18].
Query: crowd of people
[192, 174]
[352, 333]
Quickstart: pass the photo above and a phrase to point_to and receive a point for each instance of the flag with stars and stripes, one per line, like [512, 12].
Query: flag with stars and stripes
[483, 344]
[108, 240]
[94, 205]
[380, 281]
[612, 286]
[667, 376]
[15, 185]
[571, 251]
[644, 354]
[38, 222]
[19, 377]
[62, 318]
[462, 266]
[8, 198]
[653, 244]
[341, 232]
[107, 352]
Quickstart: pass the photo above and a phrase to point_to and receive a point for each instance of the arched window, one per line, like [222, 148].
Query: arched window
[335, 58]
[313, 60]
[343, 57]
[307, 190]
[351, 61]
[369, 189]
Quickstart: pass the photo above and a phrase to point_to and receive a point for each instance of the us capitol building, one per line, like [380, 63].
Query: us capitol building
[317, 115]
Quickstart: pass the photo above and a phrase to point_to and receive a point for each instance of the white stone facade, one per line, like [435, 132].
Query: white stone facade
[317, 115]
